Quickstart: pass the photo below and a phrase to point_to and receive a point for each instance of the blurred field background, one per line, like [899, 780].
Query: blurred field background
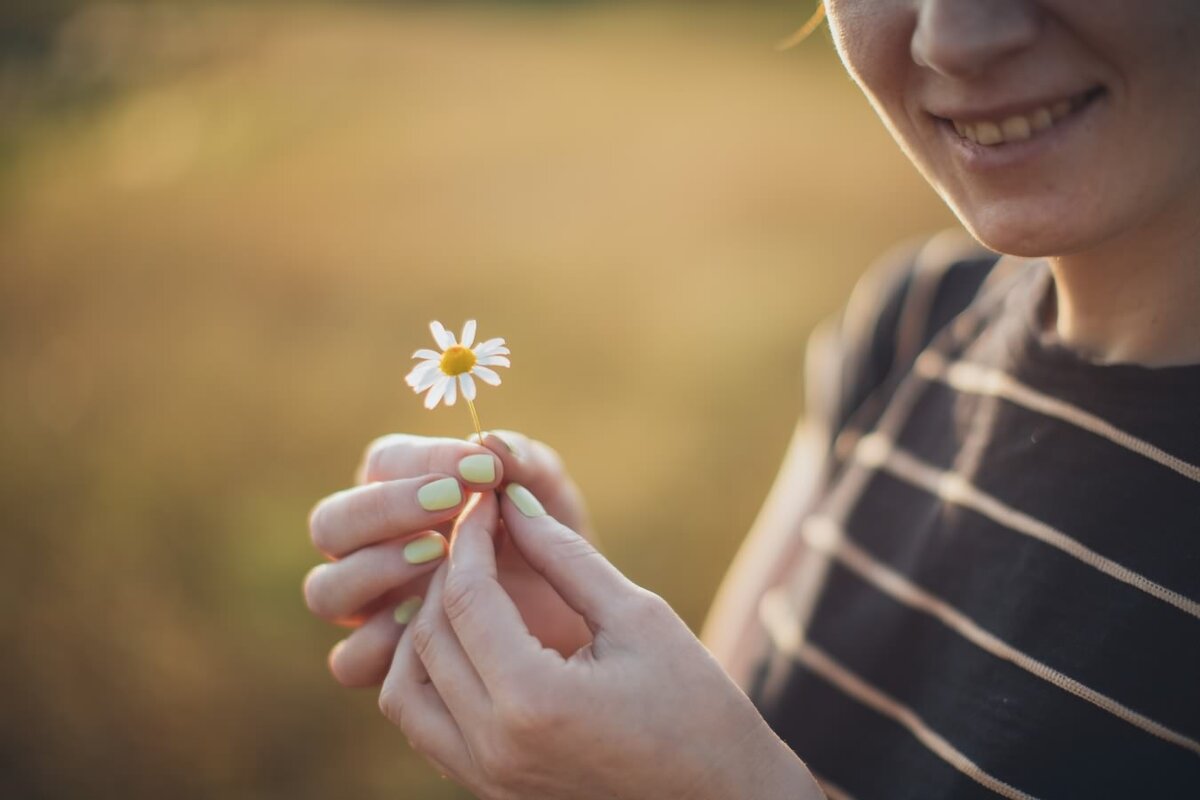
[223, 230]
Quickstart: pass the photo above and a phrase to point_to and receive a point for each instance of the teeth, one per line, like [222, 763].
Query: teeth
[1016, 128]
[988, 133]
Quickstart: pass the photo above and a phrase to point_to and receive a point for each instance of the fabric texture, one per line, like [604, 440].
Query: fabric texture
[997, 591]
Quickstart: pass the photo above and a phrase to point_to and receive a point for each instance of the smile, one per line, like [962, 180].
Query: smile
[1020, 127]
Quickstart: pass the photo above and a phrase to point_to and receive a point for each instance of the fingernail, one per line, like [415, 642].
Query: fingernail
[424, 549]
[440, 495]
[478, 468]
[507, 441]
[407, 610]
[524, 500]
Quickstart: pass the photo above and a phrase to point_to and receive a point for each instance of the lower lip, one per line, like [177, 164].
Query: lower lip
[983, 158]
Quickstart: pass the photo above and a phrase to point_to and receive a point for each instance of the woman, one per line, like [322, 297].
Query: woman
[978, 573]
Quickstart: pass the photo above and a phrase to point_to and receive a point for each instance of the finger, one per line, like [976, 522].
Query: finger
[413, 705]
[400, 455]
[536, 465]
[354, 518]
[339, 590]
[363, 657]
[486, 621]
[554, 623]
[585, 579]
[447, 665]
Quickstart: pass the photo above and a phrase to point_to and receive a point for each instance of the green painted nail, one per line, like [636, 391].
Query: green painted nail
[424, 549]
[524, 500]
[478, 468]
[407, 610]
[440, 495]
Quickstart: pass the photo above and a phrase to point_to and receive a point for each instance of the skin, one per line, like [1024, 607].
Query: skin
[363, 530]
[1113, 202]
[642, 711]
[534, 668]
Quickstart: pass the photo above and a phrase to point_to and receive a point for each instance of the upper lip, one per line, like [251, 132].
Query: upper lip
[1000, 111]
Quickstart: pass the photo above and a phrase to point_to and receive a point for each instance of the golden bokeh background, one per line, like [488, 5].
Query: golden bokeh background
[223, 230]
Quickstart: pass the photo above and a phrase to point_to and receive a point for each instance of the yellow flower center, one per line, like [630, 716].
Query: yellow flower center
[457, 360]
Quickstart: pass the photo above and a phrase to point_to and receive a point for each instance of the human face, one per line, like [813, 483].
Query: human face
[1050, 126]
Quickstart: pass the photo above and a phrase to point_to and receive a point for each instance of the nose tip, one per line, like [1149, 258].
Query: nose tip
[962, 39]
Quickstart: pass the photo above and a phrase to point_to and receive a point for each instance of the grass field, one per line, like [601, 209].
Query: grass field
[223, 229]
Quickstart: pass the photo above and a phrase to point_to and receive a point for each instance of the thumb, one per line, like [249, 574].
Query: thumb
[584, 578]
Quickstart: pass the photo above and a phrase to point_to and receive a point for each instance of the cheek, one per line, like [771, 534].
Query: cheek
[873, 40]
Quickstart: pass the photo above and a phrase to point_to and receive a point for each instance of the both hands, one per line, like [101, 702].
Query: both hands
[637, 707]
[384, 543]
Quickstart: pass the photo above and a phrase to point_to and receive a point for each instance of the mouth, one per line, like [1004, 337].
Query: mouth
[1019, 126]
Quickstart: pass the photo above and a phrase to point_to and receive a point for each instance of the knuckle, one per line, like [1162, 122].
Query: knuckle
[377, 506]
[500, 763]
[391, 706]
[375, 455]
[529, 714]
[645, 608]
[431, 457]
[459, 594]
[423, 632]
[568, 545]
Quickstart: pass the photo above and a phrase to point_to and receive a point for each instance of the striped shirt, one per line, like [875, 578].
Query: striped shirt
[997, 589]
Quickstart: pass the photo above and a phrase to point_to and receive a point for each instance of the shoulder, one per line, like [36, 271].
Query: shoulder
[899, 304]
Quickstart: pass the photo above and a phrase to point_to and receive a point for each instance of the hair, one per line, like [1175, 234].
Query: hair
[806, 30]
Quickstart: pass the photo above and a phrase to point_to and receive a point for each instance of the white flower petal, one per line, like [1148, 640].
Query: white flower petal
[427, 380]
[468, 386]
[435, 394]
[430, 354]
[451, 392]
[486, 375]
[443, 337]
[489, 347]
[468, 335]
[419, 371]
[494, 361]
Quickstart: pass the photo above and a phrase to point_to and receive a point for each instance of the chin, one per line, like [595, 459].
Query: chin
[1027, 230]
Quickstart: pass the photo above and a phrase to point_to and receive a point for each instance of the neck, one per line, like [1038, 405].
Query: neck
[1134, 299]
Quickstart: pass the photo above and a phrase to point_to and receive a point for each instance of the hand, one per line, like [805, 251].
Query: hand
[368, 532]
[643, 712]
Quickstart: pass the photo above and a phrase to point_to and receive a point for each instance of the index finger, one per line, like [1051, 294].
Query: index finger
[539, 467]
[486, 621]
[400, 455]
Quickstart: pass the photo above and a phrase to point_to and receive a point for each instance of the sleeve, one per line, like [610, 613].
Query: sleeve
[895, 309]
[851, 362]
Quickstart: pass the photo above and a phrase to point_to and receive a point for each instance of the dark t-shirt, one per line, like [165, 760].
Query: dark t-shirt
[999, 588]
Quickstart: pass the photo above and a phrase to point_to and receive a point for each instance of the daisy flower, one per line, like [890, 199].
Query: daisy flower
[455, 369]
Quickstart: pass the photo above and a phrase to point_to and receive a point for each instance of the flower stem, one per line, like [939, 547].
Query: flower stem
[475, 419]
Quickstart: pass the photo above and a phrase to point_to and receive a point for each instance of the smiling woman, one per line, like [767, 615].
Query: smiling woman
[1051, 128]
[977, 574]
